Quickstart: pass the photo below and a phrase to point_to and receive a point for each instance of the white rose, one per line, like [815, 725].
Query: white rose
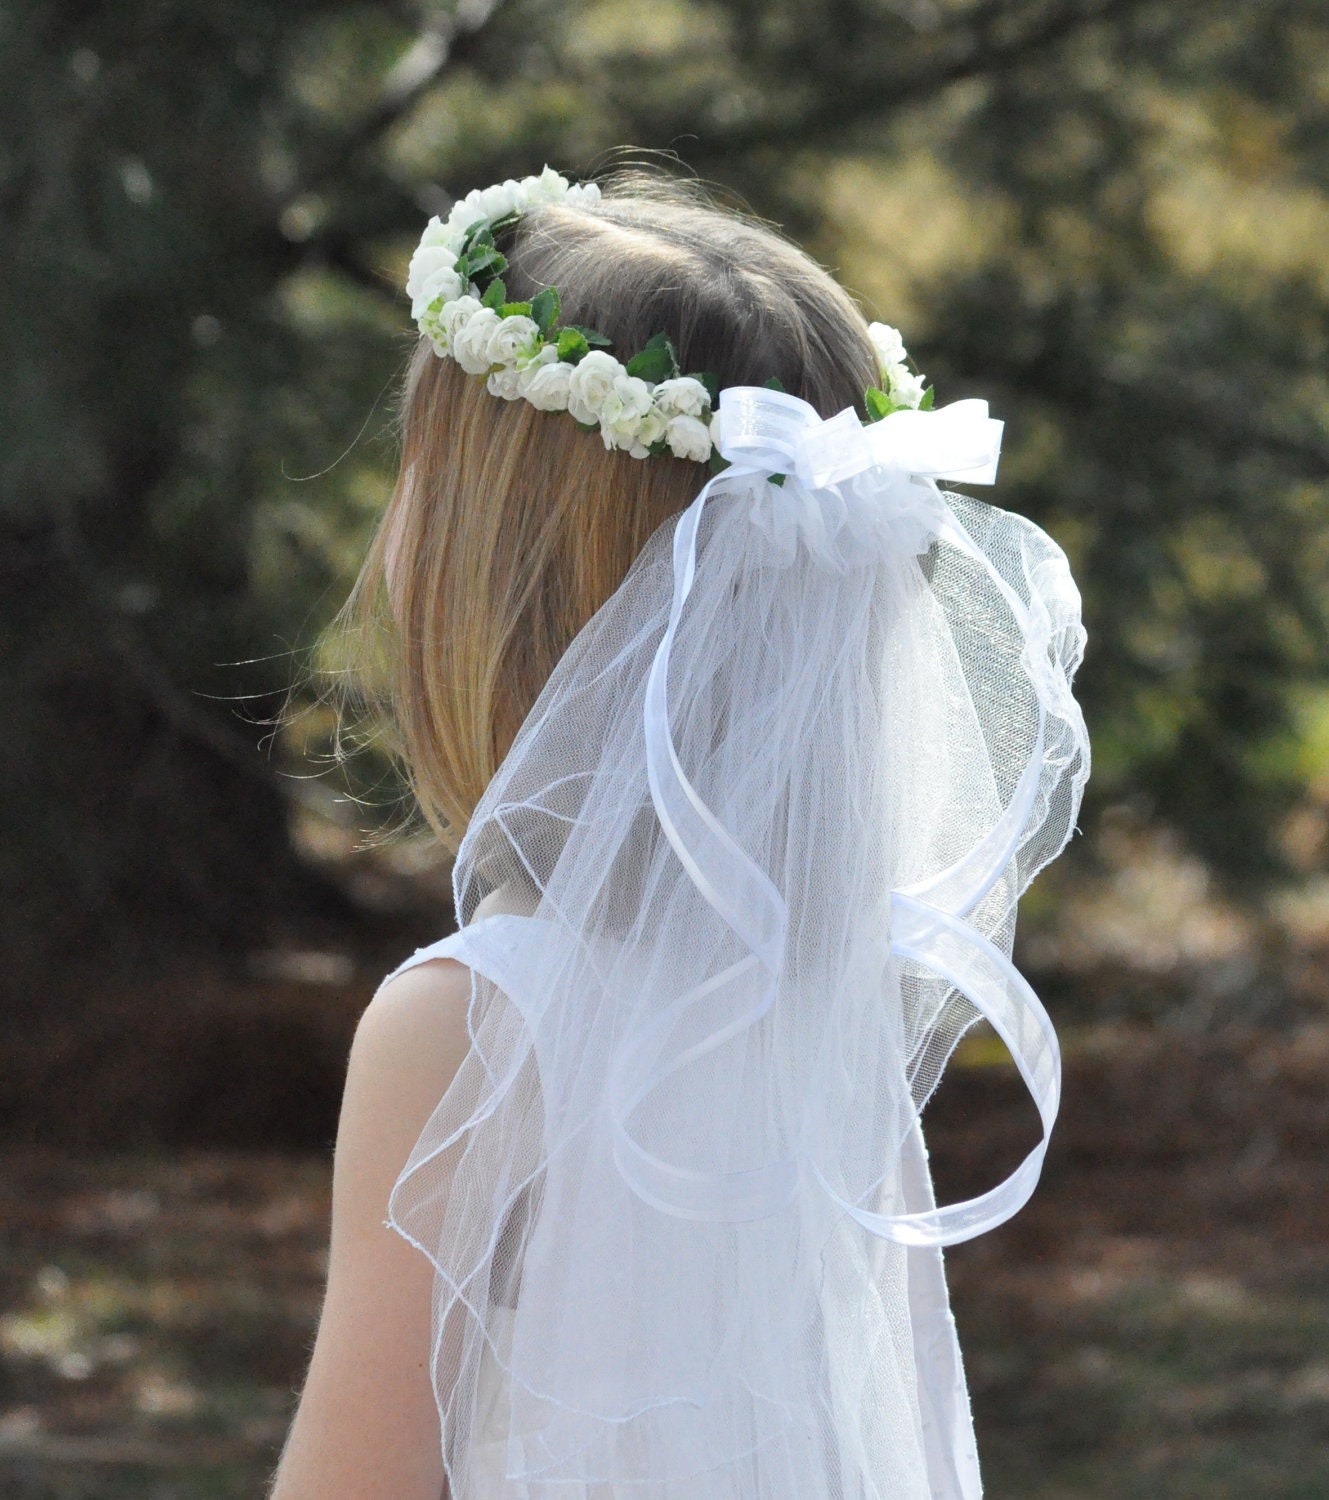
[546, 354]
[888, 344]
[440, 323]
[903, 386]
[514, 341]
[546, 383]
[465, 212]
[650, 432]
[682, 397]
[500, 200]
[453, 316]
[428, 257]
[542, 354]
[592, 380]
[622, 410]
[470, 343]
[548, 187]
[505, 383]
[442, 287]
[428, 323]
[689, 437]
[441, 236]
[431, 276]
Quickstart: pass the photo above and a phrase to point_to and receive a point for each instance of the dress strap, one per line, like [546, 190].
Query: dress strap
[504, 947]
[448, 947]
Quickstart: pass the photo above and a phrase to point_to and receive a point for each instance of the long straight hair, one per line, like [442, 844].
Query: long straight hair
[510, 527]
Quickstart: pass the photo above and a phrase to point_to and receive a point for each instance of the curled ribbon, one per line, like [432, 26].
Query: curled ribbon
[764, 432]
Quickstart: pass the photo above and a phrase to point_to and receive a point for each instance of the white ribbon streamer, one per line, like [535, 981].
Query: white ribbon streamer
[764, 432]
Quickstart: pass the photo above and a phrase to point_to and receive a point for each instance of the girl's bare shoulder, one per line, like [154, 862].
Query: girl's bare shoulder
[415, 1026]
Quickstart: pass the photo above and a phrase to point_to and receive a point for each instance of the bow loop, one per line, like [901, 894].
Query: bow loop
[959, 441]
[827, 453]
[776, 433]
[760, 429]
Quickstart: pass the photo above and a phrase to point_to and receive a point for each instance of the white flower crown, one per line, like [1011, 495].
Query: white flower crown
[644, 406]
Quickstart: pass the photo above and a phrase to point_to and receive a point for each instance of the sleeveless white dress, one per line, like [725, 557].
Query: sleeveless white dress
[947, 1434]
[774, 809]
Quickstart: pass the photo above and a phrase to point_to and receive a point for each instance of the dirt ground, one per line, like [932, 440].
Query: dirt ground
[1155, 1323]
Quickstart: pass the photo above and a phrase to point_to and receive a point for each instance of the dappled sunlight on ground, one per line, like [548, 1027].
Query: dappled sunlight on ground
[158, 1316]
[1155, 1323]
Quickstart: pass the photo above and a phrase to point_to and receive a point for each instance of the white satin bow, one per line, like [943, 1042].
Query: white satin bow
[775, 433]
[849, 495]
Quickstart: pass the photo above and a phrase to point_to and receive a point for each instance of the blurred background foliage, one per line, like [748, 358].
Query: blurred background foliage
[1107, 216]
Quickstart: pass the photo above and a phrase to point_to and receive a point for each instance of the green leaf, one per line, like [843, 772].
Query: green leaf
[777, 478]
[929, 396]
[545, 308]
[712, 384]
[486, 258]
[572, 345]
[515, 309]
[658, 448]
[592, 336]
[495, 294]
[878, 404]
[774, 384]
[479, 233]
[588, 426]
[656, 361]
[478, 245]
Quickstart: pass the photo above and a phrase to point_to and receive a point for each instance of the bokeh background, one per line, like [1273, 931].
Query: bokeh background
[1110, 217]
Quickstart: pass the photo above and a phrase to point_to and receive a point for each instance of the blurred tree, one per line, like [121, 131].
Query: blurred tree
[157, 383]
[1107, 215]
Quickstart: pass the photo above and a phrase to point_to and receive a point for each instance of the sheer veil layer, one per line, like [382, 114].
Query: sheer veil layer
[746, 875]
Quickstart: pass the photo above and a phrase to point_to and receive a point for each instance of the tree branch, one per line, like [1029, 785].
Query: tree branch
[992, 41]
[448, 37]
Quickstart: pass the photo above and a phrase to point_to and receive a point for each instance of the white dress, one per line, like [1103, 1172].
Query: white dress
[774, 809]
[946, 1427]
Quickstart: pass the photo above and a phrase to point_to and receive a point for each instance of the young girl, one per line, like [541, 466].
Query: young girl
[748, 772]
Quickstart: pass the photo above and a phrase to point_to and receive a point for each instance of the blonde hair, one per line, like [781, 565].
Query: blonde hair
[509, 527]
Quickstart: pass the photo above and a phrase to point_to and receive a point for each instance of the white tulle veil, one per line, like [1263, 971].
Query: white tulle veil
[747, 873]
